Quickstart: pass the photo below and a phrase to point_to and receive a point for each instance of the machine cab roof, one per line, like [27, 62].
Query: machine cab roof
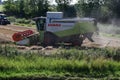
[39, 18]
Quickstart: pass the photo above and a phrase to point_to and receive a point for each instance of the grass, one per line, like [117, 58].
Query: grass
[110, 35]
[25, 25]
[93, 63]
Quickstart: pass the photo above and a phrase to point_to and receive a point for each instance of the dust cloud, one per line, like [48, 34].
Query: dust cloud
[109, 36]
[109, 28]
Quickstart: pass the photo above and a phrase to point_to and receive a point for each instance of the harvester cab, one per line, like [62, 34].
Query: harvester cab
[40, 23]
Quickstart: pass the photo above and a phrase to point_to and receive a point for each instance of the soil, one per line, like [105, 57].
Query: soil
[7, 31]
[102, 41]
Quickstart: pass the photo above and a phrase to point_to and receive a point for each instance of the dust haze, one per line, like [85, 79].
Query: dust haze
[109, 28]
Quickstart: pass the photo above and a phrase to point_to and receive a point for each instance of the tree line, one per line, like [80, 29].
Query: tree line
[100, 9]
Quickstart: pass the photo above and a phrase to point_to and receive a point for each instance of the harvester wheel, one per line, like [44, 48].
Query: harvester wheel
[49, 39]
[77, 42]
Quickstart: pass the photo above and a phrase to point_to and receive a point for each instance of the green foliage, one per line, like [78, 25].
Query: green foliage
[26, 8]
[25, 22]
[22, 21]
[114, 5]
[105, 14]
[69, 63]
[89, 8]
[11, 19]
[66, 8]
[1, 8]
[103, 10]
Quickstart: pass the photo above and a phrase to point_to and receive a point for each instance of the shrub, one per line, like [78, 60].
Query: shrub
[20, 20]
[12, 19]
[27, 21]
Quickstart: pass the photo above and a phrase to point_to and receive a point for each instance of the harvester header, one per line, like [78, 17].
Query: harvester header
[22, 35]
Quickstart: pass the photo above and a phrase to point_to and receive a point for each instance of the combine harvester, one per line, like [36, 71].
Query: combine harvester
[55, 29]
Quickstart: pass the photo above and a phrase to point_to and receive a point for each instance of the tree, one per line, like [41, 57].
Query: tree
[43, 7]
[62, 4]
[114, 6]
[10, 7]
[26, 8]
[66, 8]
[89, 8]
[21, 7]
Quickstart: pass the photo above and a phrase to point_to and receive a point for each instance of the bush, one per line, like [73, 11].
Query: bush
[23, 21]
[27, 22]
[33, 23]
[20, 20]
[12, 19]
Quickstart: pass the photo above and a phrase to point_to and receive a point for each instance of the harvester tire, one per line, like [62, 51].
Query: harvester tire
[77, 42]
[49, 39]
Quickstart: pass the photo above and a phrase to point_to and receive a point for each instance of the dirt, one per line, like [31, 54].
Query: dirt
[102, 41]
[7, 31]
